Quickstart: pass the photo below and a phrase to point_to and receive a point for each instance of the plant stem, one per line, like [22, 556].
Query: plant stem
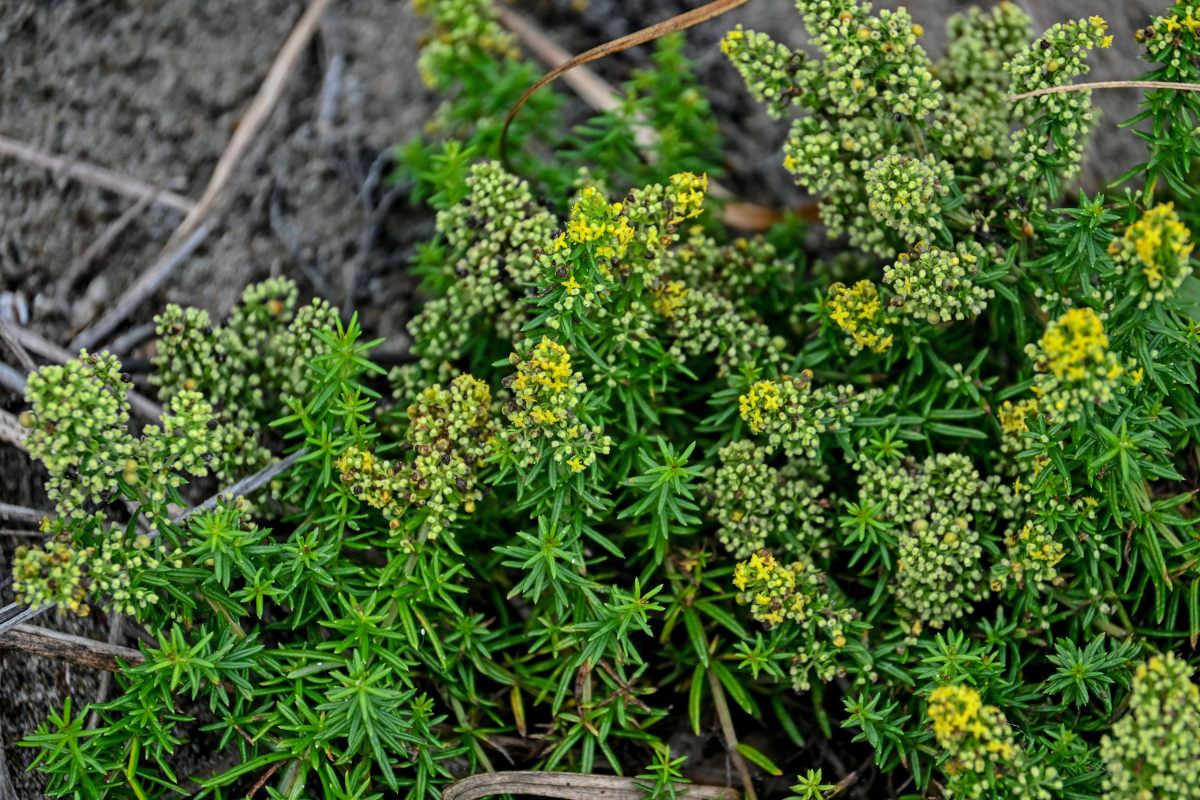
[730, 735]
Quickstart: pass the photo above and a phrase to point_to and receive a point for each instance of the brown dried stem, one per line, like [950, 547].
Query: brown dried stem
[101, 245]
[94, 175]
[37, 641]
[1081, 87]
[601, 96]
[569, 786]
[729, 734]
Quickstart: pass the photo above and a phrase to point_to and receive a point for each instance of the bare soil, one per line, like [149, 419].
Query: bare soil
[154, 91]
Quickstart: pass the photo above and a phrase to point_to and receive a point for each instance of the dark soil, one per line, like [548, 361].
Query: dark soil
[154, 91]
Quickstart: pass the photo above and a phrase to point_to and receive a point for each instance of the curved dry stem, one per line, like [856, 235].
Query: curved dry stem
[659, 29]
[1079, 87]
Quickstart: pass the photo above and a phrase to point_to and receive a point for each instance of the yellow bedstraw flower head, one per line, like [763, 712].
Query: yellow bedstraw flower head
[859, 311]
[977, 737]
[792, 413]
[1032, 557]
[594, 220]
[1154, 254]
[1014, 422]
[1074, 365]
[544, 411]
[796, 594]
[669, 298]
[686, 198]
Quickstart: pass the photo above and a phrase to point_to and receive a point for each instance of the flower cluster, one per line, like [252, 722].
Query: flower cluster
[1056, 59]
[796, 593]
[596, 222]
[1032, 558]
[741, 269]
[461, 25]
[1014, 422]
[374, 481]
[774, 74]
[452, 431]
[1075, 367]
[934, 505]
[937, 569]
[756, 504]
[609, 245]
[290, 355]
[189, 441]
[245, 367]
[859, 311]
[904, 193]
[492, 237]
[937, 285]
[79, 416]
[883, 131]
[976, 119]
[792, 413]
[703, 321]
[544, 410]
[67, 573]
[1169, 37]
[1154, 750]
[977, 737]
[1154, 253]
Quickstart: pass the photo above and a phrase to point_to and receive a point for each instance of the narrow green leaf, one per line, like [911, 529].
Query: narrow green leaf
[758, 758]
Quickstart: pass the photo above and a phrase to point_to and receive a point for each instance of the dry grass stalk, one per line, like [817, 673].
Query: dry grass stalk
[94, 175]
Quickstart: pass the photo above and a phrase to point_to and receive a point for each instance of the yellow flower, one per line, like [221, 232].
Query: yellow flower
[1074, 342]
[859, 311]
[669, 298]
[1013, 417]
[763, 396]
[687, 196]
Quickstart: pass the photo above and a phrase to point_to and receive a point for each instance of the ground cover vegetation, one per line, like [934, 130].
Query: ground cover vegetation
[918, 520]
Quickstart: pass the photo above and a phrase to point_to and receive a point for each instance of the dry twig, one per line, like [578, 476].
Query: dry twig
[116, 629]
[569, 786]
[11, 379]
[1080, 87]
[23, 514]
[200, 221]
[678, 22]
[6, 334]
[730, 735]
[94, 175]
[130, 339]
[6, 788]
[35, 641]
[602, 96]
[101, 245]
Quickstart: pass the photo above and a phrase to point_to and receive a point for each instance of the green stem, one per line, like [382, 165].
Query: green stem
[729, 733]
[456, 704]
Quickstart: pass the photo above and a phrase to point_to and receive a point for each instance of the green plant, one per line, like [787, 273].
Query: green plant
[933, 504]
